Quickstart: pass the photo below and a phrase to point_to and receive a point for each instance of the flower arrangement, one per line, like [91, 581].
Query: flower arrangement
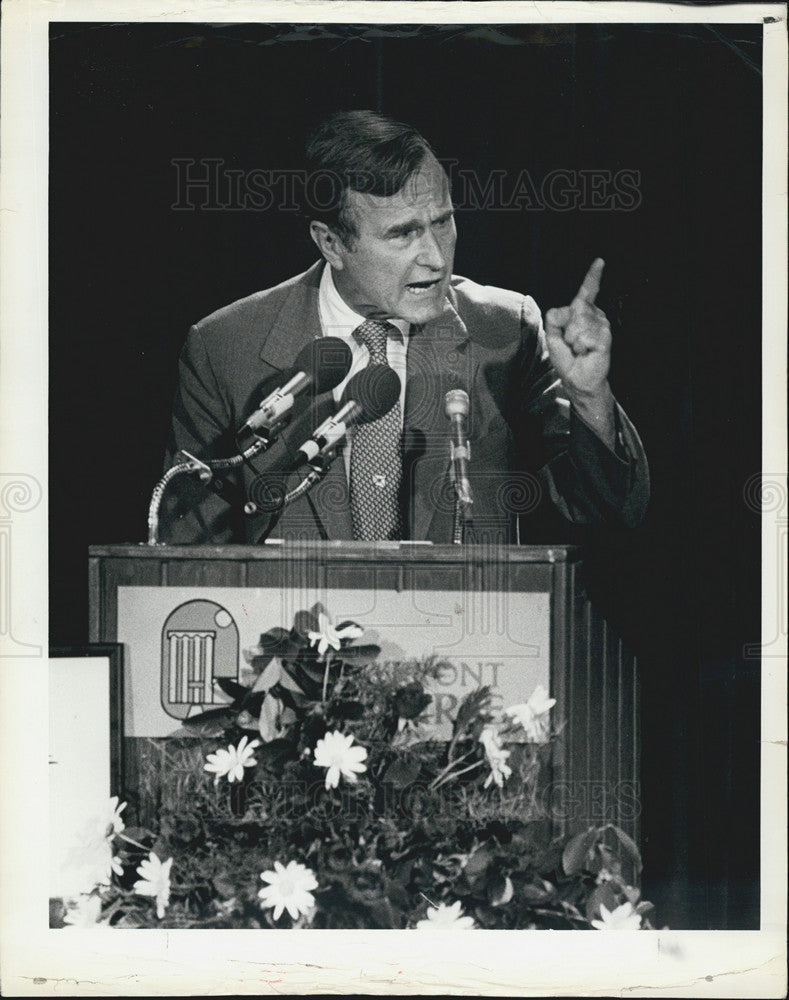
[314, 798]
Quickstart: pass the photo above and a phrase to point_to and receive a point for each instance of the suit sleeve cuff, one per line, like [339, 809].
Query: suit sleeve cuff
[610, 471]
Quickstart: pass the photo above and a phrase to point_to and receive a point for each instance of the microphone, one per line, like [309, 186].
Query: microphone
[369, 395]
[456, 407]
[322, 364]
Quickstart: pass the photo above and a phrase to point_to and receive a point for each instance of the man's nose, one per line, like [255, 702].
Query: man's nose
[431, 253]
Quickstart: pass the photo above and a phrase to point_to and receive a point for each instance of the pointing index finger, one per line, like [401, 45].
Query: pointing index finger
[591, 283]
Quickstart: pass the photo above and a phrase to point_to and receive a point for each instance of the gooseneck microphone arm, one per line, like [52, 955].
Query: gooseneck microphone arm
[191, 467]
[205, 471]
[321, 365]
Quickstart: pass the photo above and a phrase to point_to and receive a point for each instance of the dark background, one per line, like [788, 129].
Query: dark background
[679, 103]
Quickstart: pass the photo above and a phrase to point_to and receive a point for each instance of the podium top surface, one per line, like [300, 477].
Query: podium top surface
[339, 551]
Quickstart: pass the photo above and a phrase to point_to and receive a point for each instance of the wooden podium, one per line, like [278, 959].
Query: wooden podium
[509, 616]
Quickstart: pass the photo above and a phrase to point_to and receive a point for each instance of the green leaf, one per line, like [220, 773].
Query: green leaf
[410, 700]
[276, 642]
[606, 858]
[535, 892]
[212, 723]
[306, 621]
[235, 690]
[274, 753]
[311, 688]
[477, 864]
[600, 894]
[314, 669]
[498, 889]
[224, 886]
[353, 654]
[631, 894]
[574, 855]
[381, 914]
[254, 703]
[347, 710]
[270, 722]
[549, 858]
[403, 771]
[346, 624]
[259, 663]
[473, 708]
[293, 699]
[629, 845]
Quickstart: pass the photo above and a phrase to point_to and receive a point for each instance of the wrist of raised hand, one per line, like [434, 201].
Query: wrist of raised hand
[597, 410]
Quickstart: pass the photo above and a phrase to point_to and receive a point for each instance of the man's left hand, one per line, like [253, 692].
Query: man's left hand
[579, 345]
[579, 338]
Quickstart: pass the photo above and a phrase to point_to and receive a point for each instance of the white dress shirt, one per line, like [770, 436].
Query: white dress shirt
[339, 320]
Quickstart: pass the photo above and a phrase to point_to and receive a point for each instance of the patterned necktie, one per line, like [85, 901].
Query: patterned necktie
[376, 459]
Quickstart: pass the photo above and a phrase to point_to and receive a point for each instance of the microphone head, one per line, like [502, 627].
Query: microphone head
[376, 389]
[456, 403]
[327, 360]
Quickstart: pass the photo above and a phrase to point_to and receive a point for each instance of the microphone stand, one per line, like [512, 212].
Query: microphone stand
[463, 501]
[460, 518]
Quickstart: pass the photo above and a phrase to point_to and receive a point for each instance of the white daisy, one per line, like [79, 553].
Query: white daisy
[327, 635]
[230, 763]
[532, 715]
[83, 911]
[443, 917]
[155, 881]
[507, 892]
[289, 889]
[89, 859]
[337, 753]
[496, 755]
[114, 824]
[622, 918]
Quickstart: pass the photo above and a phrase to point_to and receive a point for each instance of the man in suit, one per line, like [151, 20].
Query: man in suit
[543, 419]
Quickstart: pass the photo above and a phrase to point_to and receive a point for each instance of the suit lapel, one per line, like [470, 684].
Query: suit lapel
[439, 359]
[297, 323]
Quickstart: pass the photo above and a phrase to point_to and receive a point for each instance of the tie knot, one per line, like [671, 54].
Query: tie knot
[373, 333]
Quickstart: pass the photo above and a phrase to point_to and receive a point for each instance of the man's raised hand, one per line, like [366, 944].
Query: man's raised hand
[579, 339]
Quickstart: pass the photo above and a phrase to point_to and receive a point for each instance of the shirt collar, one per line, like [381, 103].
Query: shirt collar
[338, 319]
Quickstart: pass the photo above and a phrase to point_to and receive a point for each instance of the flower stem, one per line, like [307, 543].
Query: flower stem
[129, 840]
[326, 677]
[455, 774]
[452, 745]
[437, 780]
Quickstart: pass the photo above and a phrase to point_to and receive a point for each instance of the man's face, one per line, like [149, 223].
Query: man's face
[400, 264]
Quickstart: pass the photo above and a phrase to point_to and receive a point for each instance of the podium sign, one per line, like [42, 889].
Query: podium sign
[177, 639]
[509, 617]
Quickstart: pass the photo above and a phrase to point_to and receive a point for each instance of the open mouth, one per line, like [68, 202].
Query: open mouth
[423, 287]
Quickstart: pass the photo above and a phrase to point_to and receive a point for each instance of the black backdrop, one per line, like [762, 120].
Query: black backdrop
[681, 104]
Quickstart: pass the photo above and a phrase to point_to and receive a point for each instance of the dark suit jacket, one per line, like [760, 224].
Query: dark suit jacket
[525, 441]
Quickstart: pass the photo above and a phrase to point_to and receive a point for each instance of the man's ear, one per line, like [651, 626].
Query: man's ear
[329, 243]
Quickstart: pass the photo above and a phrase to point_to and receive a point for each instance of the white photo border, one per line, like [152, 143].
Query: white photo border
[38, 962]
